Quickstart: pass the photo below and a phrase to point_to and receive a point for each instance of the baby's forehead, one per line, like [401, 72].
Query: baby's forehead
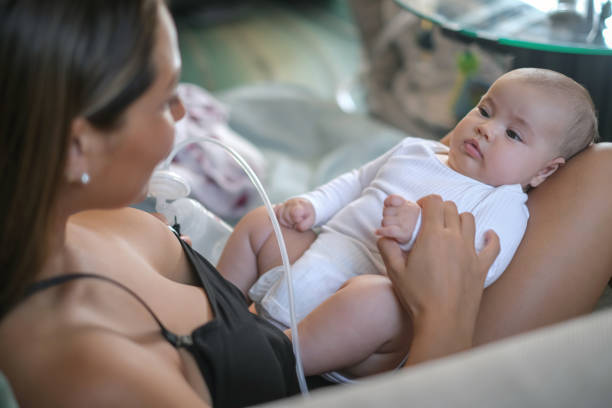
[547, 83]
[534, 75]
[539, 106]
[521, 80]
[526, 90]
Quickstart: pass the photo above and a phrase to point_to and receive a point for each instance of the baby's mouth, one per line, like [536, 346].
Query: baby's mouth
[472, 149]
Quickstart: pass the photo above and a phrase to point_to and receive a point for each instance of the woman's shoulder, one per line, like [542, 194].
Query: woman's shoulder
[123, 221]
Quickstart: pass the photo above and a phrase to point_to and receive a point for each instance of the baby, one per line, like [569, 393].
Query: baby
[527, 125]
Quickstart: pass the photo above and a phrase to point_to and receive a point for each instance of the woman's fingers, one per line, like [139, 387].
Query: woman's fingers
[490, 251]
[432, 212]
[468, 227]
[451, 216]
[392, 255]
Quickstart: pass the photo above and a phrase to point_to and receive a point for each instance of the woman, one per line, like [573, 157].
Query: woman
[92, 91]
[89, 109]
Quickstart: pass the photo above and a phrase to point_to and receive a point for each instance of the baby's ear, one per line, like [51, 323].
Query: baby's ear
[548, 169]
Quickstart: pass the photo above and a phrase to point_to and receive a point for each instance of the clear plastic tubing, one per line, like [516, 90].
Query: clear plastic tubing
[279, 238]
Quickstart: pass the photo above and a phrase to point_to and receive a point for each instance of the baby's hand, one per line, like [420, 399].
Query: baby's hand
[399, 219]
[296, 213]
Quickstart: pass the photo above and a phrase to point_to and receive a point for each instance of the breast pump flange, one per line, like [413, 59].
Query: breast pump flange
[171, 192]
[208, 233]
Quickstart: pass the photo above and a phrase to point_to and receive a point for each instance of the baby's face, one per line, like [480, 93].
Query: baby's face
[513, 132]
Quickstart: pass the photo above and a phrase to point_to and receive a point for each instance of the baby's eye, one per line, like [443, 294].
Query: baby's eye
[513, 135]
[483, 112]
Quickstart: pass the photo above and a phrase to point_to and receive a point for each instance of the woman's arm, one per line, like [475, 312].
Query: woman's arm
[564, 261]
[558, 272]
[440, 280]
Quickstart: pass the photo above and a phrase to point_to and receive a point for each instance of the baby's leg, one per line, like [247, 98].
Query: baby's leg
[361, 329]
[252, 248]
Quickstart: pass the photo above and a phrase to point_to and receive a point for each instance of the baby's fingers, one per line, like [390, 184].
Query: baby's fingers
[391, 211]
[394, 232]
[390, 231]
[297, 213]
[305, 224]
[394, 200]
[282, 215]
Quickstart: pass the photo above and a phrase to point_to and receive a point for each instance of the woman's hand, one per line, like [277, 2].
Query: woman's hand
[296, 213]
[440, 280]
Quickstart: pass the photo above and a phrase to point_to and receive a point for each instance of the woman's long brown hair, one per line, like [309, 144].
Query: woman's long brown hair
[59, 60]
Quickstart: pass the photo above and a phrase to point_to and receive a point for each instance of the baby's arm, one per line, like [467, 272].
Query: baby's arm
[400, 218]
[336, 194]
[508, 218]
[296, 213]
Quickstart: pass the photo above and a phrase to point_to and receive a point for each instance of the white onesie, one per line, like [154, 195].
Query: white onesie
[349, 210]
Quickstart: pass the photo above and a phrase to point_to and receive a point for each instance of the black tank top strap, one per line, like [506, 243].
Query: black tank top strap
[172, 338]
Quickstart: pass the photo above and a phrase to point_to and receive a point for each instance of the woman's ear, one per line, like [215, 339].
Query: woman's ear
[76, 160]
[546, 171]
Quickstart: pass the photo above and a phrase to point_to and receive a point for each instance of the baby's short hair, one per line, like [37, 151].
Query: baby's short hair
[582, 127]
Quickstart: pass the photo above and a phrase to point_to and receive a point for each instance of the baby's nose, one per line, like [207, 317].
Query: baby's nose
[483, 131]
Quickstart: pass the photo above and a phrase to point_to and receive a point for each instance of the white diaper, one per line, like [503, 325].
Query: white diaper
[330, 261]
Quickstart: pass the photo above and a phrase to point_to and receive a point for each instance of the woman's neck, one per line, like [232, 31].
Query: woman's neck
[57, 252]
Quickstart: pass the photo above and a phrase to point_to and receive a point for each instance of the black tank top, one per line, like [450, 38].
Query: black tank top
[244, 359]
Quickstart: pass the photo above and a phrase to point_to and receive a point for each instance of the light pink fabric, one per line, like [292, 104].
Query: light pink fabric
[216, 179]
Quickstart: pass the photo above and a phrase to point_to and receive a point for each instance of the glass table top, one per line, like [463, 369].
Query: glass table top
[577, 26]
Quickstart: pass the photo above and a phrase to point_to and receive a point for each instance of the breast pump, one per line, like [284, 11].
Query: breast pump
[171, 192]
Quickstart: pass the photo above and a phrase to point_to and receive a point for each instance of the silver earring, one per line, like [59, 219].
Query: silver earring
[85, 178]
